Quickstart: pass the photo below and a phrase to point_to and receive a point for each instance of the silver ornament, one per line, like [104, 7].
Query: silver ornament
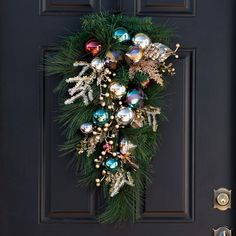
[97, 64]
[117, 90]
[86, 128]
[126, 146]
[141, 40]
[124, 116]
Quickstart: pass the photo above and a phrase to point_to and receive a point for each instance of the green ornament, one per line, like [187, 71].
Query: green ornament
[101, 117]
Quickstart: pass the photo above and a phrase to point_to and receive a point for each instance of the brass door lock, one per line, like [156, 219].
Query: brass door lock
[222, 199]
[222, 231]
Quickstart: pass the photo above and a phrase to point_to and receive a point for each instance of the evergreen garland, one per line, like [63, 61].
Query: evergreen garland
[127, 203]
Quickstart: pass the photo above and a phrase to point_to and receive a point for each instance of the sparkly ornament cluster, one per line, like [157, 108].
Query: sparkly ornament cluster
[119, 105]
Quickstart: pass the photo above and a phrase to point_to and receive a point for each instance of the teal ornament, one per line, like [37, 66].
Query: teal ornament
[112, 164]
[134, 98]
[121, 34]
[101, 117]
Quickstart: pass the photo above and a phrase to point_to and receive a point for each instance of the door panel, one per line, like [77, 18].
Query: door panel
[40, 196]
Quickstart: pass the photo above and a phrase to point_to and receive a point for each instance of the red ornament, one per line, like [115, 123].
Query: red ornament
[93, 46]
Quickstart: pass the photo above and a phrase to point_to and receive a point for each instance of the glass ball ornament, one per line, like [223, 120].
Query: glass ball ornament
[97, 64]
[101, 117]
[93, 46]
[134, 98]
[117, 90]
[112, 58]
[86, 128]
[124, 116]
[121, 34]
[126, 146]
[141, 40]
[112, 163]
[134, 55]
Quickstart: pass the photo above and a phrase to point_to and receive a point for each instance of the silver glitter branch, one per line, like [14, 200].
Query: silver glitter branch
[152, 113]
[119, 179]
[82, 87]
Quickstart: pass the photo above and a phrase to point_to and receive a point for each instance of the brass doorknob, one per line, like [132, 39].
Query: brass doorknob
[222, 199]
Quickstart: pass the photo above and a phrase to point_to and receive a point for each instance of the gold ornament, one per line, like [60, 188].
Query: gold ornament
[134, 55]
[138, 120]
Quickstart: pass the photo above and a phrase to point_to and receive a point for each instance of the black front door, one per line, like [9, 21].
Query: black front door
[39, 195]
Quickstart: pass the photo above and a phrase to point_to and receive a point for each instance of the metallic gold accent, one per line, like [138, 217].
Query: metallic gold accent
[222, 199]
[222, 231]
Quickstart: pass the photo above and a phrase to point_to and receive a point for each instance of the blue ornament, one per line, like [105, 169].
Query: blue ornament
[134, 98]
[112, 164]
[121, 34]
[100, 117]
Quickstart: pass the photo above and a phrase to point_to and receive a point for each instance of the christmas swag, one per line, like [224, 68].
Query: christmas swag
[113, 79]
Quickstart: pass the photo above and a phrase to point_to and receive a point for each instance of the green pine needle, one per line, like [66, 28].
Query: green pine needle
[101, 26]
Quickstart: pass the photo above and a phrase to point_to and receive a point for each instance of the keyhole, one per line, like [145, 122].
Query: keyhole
[223, 199]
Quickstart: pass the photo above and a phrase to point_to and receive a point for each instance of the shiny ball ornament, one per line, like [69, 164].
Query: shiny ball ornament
[126, 146]
[134, 98]
[100, 117]
[114, 55]
[93, 46]
[121, 34]
[124, 116]
[134, 55]
[112, 164]
[141, 40]
[86, 128]
[112, 58]
[117, 90]
[97, 64]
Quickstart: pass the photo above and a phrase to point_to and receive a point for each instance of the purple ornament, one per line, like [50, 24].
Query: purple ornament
[134, 98]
